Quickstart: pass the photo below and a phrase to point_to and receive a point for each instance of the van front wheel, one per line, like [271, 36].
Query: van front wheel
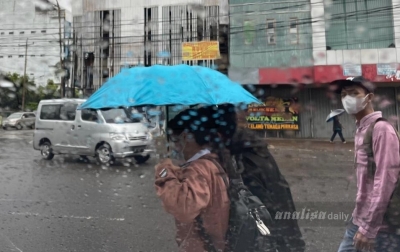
[104, 154]
[45, 150]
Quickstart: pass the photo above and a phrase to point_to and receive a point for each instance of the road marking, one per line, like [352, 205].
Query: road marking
[19, 250]
[26, 200]
[66, 216]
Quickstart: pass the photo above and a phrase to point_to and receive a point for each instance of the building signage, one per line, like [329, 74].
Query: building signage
[274, 114]
[352, 70]
[203, 50]
[385, 69]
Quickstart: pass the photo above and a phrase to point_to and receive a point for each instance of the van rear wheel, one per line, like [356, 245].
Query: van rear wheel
[104, 154]
[45, 150]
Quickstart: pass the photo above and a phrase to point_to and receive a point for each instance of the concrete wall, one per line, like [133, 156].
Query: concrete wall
[20, 18]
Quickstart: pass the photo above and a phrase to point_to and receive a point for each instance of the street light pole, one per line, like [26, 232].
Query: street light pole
[25, 76]
[61, 60]
[24, 82]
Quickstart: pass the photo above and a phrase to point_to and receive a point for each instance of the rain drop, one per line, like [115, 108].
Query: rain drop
[6, 84]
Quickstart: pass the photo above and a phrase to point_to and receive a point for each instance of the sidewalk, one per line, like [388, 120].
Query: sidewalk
[308, 144]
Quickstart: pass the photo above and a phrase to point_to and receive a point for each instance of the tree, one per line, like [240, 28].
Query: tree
[50, 91]
[11, 95]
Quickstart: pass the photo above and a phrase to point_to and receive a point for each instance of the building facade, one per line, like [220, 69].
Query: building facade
[295, 48]
[111, 35]
[33, 30]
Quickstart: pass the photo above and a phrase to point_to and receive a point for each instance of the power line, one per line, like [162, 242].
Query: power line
[340, 16]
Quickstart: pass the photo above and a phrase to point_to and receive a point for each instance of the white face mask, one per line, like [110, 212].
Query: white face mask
[353, 105]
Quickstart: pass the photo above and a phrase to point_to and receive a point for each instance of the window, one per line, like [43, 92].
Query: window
[29, 115]
[50, 112]
[1, 57]
[62, 112]
[9, 56]
[43, 31]
[11, 33]
[33, 32]
[2, 33]
[89, 115]
[41, 55]
[294, 31]
[68, 111]
[20, 56]
[32, 55]
[271, 37]
[249, 32]
[21, 33]
[119, 115]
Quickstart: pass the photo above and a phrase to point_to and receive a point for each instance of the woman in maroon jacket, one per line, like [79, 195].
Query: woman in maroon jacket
[195, 188]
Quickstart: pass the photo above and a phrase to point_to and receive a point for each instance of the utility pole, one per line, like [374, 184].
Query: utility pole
[25, 77]
[61, 60]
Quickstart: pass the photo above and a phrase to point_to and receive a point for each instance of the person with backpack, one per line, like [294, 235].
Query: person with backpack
[262, 177]
[214, 210]
[375, 222]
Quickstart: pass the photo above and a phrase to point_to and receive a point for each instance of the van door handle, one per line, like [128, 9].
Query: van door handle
[79, 126]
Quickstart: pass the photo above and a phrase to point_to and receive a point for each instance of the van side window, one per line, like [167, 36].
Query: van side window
[68, 111]
[89, 115]
[60, 112]
[50, 112]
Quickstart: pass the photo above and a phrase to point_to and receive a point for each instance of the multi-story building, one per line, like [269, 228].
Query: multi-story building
[110, 35]
[33, 30]
[295, 49]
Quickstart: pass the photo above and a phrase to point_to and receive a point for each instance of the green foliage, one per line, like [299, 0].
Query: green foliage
[11, 98]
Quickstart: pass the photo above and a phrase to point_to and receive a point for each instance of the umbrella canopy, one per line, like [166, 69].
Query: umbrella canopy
[334, 113]
[167, 85]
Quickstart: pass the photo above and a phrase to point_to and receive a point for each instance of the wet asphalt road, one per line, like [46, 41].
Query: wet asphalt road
[70, 205]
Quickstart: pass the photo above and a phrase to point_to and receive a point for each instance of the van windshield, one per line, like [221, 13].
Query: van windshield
[119, 115]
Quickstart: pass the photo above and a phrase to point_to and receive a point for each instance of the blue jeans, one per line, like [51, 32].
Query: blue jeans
[384, 242]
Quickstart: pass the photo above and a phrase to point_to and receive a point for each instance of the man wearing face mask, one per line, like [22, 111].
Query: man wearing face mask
[368, 230]
[197, 187]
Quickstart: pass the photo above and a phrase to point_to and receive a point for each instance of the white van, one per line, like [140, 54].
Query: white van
[105, 134]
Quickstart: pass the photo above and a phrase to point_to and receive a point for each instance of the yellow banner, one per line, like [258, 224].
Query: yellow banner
[203, 50]
[263, 126]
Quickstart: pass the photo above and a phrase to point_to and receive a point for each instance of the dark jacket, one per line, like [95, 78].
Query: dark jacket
[336, 124]
[264, 179]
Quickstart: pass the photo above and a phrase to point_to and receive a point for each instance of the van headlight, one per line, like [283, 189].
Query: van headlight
[118, 137]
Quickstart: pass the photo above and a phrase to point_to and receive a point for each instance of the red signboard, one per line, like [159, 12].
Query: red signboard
[327, 74]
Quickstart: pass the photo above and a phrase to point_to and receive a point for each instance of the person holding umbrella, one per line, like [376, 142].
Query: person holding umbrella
[337, 129]
[196, 186]
[337, 126]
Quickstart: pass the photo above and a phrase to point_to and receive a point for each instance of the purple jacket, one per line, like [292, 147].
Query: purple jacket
[373, 193]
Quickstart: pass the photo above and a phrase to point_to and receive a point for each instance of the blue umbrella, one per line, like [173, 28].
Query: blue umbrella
[168, 85]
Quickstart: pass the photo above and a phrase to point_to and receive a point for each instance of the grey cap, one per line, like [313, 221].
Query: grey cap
[351, 81]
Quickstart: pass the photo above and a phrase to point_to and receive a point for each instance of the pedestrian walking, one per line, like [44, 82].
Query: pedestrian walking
[337, 129]
[213, 211]
[195, 188]
[377, 163]
[262, 177]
